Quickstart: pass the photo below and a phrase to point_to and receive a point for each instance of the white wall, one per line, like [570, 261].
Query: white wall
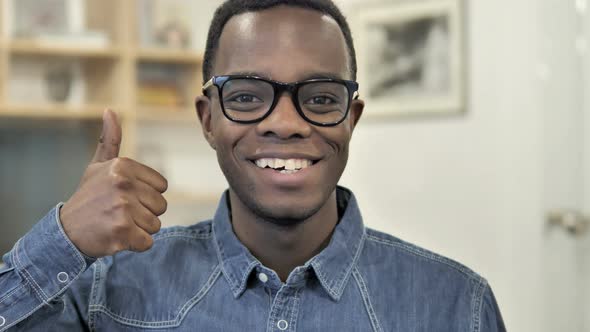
[586, 145]
[473, 187]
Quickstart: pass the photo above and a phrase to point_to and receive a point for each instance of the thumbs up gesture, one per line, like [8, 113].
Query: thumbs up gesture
[118, 201]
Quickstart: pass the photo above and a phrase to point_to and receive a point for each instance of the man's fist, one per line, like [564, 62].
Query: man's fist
[118, 201]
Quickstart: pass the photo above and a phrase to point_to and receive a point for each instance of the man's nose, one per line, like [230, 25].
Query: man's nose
[284, 122]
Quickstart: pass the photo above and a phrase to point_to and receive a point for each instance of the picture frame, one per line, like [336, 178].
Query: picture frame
[174, 24]
[165, 23]
[56, 81]
[30, 19]
[411, 57]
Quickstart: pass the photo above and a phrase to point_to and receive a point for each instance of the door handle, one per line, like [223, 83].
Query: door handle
[574, 222]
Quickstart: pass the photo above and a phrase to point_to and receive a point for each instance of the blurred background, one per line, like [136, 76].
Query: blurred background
[475, 140]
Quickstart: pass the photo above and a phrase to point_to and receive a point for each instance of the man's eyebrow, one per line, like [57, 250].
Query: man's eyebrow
[249, 73]
[310, 76]
[333, 76]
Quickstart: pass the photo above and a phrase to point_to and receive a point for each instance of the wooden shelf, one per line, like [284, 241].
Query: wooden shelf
[32, 47]
[169, 56]
[112, 77]
[186, 198]
[54, 111]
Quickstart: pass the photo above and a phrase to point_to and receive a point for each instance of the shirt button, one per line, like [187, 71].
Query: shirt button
[282, 325]
[262, 277]
[63, 277]
[2, 321]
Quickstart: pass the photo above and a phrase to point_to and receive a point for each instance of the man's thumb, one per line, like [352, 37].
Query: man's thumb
[110, 138]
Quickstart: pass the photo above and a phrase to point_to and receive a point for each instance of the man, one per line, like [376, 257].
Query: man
[286, 249]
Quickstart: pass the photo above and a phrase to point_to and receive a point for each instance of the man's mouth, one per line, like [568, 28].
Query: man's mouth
[284, 166]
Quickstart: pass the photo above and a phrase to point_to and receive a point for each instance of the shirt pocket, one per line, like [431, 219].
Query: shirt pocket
[142, 291]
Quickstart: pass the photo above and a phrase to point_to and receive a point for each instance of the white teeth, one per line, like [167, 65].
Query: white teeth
[262, 163]
[279, 163]
[271, 163]
[290, 165]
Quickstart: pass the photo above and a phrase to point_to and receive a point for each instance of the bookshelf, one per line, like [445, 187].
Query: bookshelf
[111, 76]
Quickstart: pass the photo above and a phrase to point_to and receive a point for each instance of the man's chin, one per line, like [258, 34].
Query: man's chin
[285, 216]
[280, 214]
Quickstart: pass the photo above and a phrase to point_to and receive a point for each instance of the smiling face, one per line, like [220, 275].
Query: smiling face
[285, 44]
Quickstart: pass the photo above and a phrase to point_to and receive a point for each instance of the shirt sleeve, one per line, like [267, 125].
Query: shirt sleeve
[36, 280]
[491, 318]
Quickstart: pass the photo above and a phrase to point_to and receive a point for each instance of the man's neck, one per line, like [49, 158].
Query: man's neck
[283, 248]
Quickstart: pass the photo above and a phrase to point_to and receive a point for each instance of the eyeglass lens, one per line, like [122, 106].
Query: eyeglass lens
[251, 99]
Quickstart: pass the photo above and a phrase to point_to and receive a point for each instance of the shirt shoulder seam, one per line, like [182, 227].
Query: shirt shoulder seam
[477, 305]
[177, 234]
[423, 253]
[200, 231]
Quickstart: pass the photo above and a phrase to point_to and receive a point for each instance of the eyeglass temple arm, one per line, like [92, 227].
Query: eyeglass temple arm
[207, 85]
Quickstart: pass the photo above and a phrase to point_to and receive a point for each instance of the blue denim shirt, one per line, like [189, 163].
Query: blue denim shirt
[202, 278]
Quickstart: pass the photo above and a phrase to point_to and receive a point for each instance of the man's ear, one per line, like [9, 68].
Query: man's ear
[356, 111]
[203, 108]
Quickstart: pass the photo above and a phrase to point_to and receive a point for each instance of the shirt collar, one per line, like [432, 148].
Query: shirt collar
[332, 266]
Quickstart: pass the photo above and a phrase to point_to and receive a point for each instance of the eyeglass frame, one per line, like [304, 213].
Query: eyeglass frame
[279, 88]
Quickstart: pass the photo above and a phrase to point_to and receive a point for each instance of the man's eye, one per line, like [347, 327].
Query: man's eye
[321, 100]
[246, 99]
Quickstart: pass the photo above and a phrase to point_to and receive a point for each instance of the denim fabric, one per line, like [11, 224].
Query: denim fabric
[201, 278]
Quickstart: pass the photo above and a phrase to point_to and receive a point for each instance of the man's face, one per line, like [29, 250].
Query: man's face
[284, 44]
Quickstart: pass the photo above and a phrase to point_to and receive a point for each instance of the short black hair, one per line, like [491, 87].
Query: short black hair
[231, 8]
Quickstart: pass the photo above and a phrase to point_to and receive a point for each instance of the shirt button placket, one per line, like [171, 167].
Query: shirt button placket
[283, 313]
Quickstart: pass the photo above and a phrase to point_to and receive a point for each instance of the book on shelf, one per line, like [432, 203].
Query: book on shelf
[160, 85]
[159, 94]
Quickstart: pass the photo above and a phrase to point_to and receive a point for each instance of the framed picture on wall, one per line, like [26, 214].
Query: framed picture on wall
[411, 57]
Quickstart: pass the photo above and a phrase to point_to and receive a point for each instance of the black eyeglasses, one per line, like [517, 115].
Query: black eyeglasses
[249, 99]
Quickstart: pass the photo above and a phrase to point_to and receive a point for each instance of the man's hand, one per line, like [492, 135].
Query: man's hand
[118, 201]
